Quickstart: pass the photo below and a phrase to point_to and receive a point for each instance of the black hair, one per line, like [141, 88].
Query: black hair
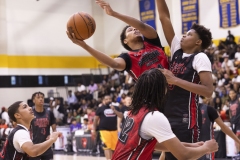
[123, 36]
[37, 93]
[73, 119]
[149, 91]
[13, 109]
[204, 34]
[85, 119]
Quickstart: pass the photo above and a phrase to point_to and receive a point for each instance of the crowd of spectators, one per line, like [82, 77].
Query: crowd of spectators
[225, 60]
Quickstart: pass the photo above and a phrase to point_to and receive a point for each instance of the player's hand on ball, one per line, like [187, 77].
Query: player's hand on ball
[105, 6]
[72, 37]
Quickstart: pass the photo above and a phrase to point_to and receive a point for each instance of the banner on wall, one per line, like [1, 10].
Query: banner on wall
[229, 13]
[147, 12]
[190, 14]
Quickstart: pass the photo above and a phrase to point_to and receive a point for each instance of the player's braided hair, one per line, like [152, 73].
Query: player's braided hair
[204, 34]
[123, 36]
[150, 91]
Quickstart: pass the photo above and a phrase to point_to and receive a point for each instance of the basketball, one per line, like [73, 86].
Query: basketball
[82, 25]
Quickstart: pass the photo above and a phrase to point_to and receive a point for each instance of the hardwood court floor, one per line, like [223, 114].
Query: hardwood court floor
[76, 157]
[88, 157]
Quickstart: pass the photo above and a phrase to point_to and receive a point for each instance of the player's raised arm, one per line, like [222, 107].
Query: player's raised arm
[146, 30]
[164, 17]
[116, 63]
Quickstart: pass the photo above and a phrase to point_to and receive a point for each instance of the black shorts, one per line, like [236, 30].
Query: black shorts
[48, 155]
[43, 157]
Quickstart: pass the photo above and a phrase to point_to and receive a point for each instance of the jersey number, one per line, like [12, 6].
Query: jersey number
[127, 127]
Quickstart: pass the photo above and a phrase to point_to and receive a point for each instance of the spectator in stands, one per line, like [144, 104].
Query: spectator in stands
[86, 126]
[76, 116]
[51, 103]
[83, 106]
[105, 79]
[71, 99]
[222, 47]
[80, 87]
[92, 87]
[229, 37]
[3, 124]
[227, 65]
[86, 95]
[91, 114]
[102, 91]
[4, 115]
[237, 57]
[115, 78]
[58, 112]
[216, 66]
[69, 117]
[74, 126]
[231, 49]
[217, 102]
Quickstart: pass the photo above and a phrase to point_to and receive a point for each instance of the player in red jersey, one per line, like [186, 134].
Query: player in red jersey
[146, 128]
[140, 39]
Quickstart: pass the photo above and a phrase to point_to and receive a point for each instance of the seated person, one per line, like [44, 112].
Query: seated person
[74, 126]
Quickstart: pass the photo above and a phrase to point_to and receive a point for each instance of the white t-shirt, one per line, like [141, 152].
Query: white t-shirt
[237, 56]
[236, 80]
[160, 130]
[229, 64]
[6, 117]
[20, 137]
[200, 62]
[81, 88]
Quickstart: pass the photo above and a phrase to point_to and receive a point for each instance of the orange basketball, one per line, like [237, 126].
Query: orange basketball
[82, 25]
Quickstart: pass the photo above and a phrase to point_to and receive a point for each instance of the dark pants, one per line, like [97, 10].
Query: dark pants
[184, 135]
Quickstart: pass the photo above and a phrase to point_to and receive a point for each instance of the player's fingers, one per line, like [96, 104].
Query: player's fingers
[69, 35]
[160, 69]
[73, 35]
[101, 3]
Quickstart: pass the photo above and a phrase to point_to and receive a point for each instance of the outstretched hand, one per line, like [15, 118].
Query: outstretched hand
[72, 37]
[104, 5]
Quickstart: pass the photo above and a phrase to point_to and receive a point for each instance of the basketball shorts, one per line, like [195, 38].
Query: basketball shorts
[109, 139]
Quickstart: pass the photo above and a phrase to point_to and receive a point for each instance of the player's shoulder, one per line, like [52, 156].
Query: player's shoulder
[202, 57]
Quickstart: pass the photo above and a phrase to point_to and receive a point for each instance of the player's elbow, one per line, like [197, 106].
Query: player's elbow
[119, 66]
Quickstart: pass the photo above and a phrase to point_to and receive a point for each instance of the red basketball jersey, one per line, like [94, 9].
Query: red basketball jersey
[130, 145]
[151, 56]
